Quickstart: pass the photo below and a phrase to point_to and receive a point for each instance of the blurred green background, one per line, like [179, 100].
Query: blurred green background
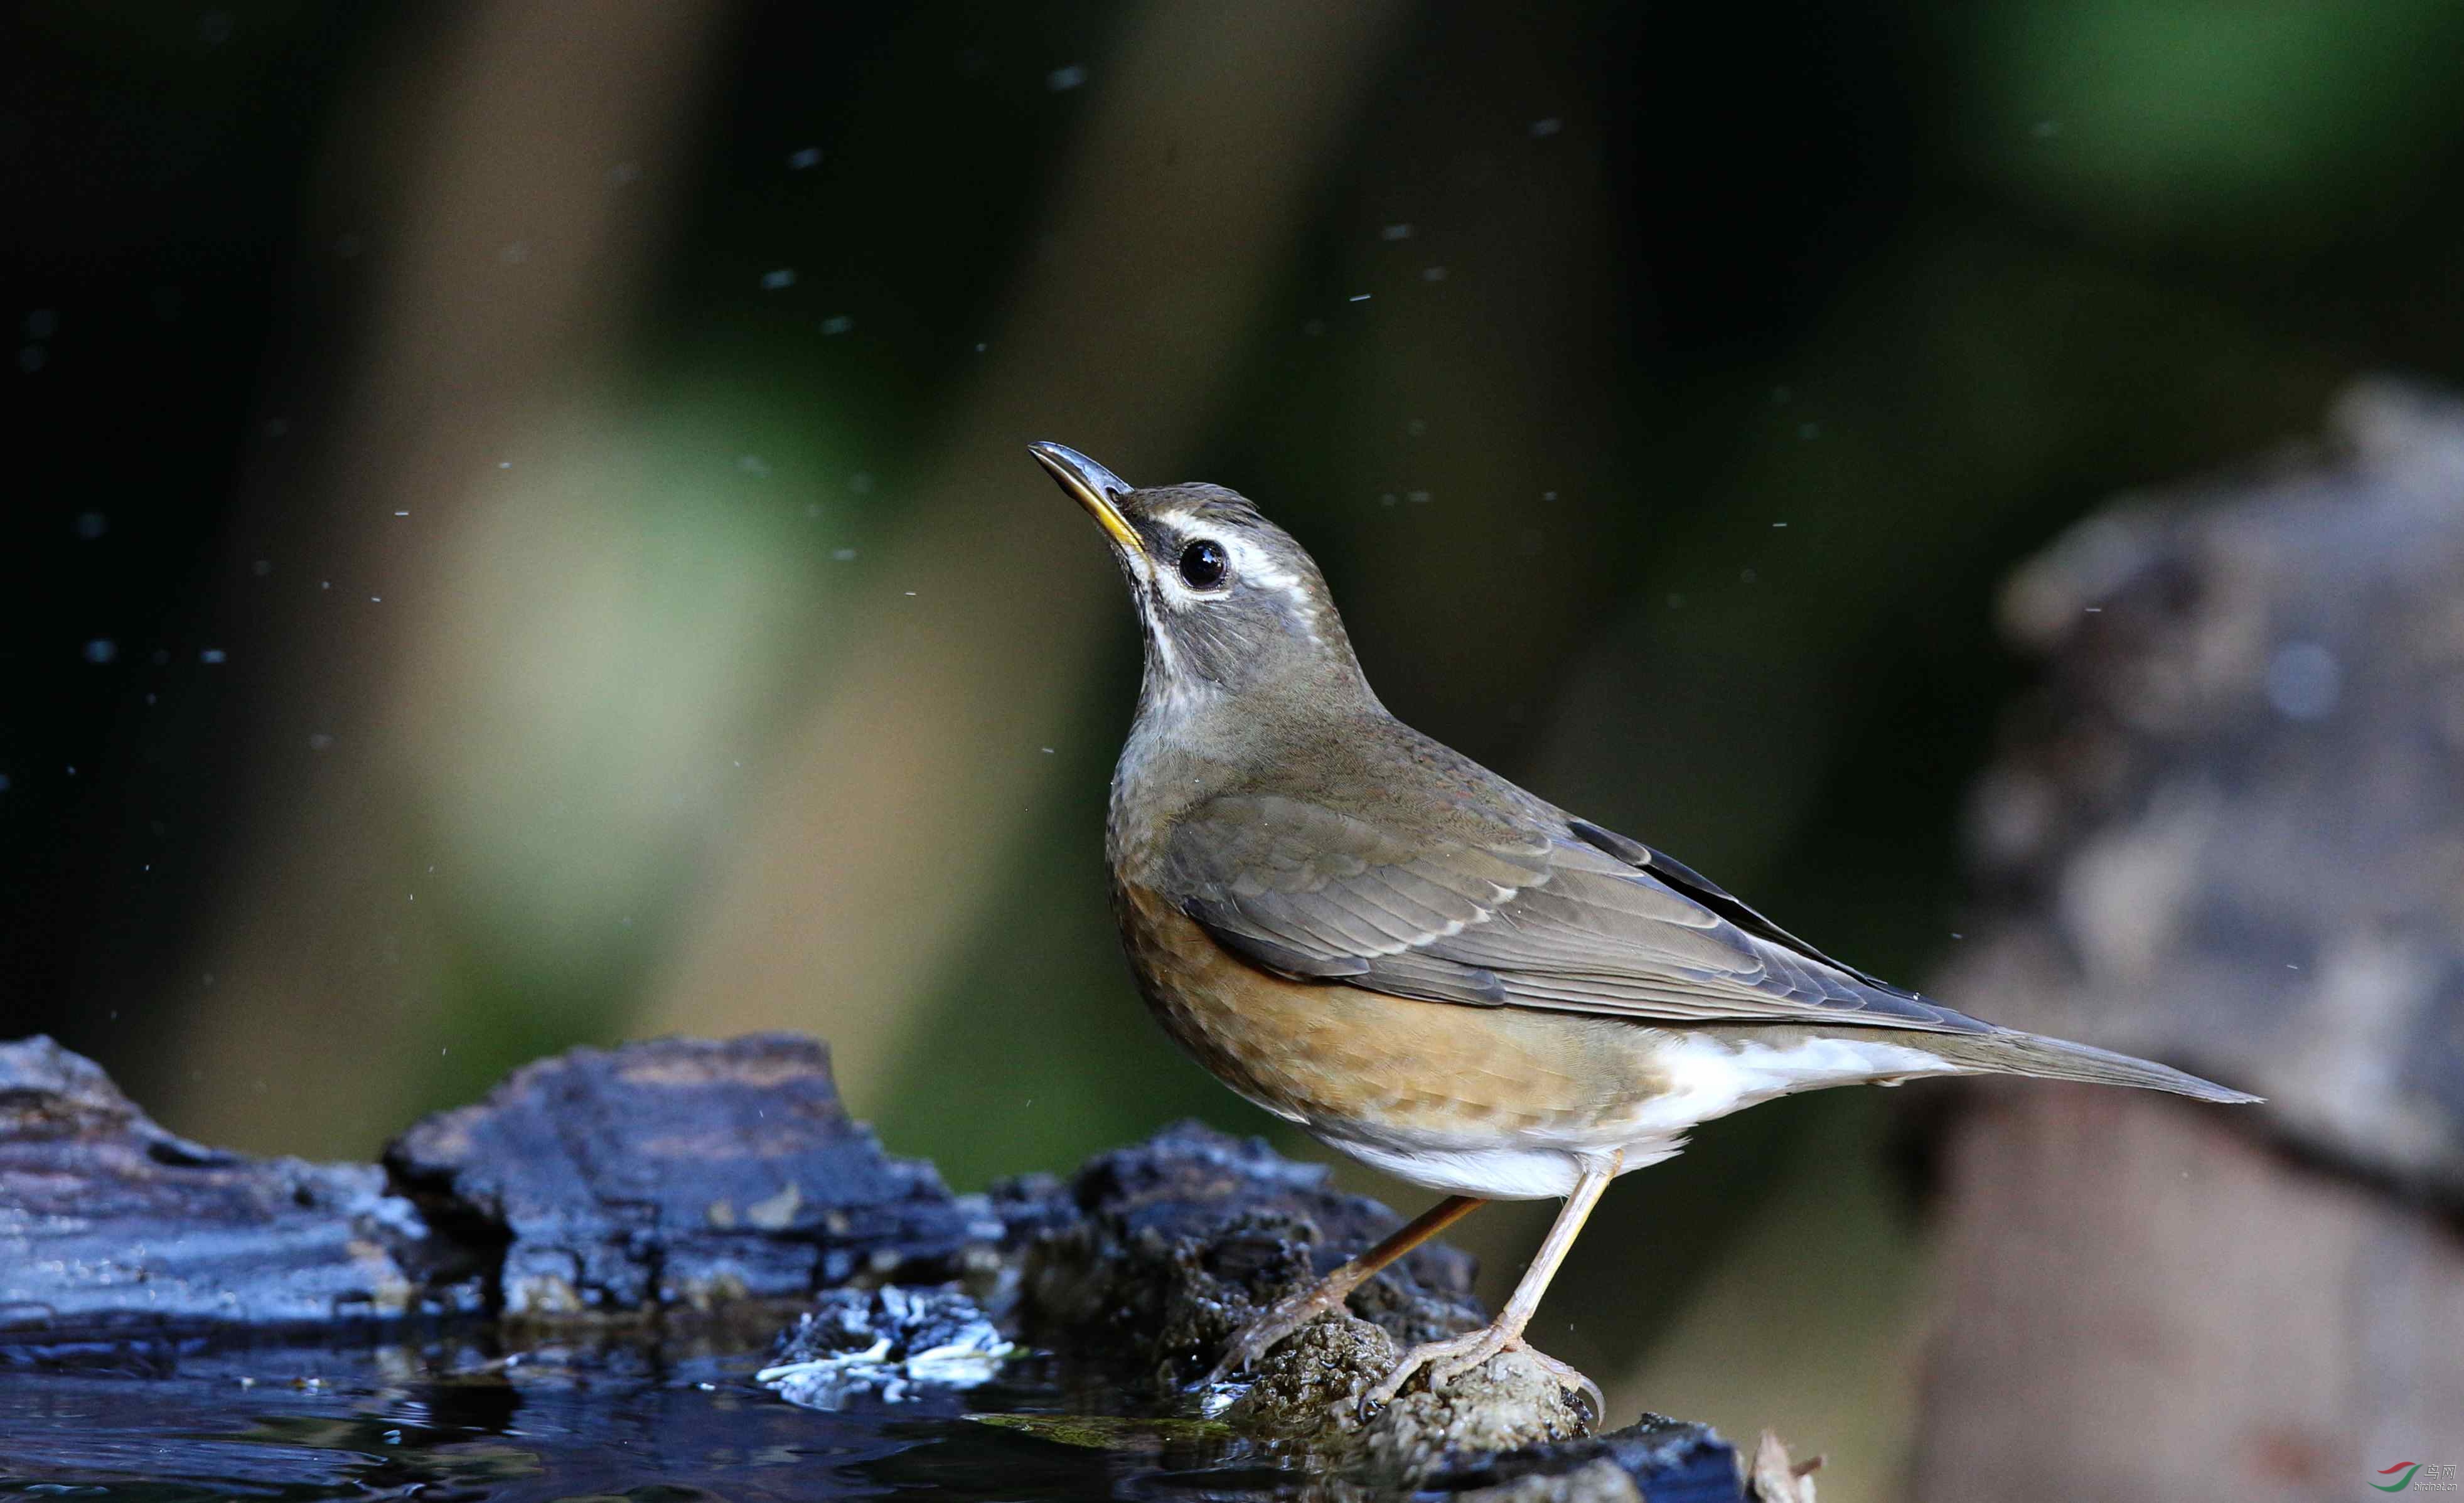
[519, 533]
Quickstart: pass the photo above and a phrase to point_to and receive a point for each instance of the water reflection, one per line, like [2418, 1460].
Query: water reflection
[446, 1423]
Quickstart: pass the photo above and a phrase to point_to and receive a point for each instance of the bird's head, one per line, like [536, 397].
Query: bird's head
[1230, 603]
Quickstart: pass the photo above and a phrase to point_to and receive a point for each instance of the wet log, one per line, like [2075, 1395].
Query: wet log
[110, 1225]
[678, 1172]
[2230, 833]
[672, 1173]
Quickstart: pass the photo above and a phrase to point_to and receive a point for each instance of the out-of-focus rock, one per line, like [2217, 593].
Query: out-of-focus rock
[2228, 833]
[1774, 1476]
[679, 1172]
[110, 1225]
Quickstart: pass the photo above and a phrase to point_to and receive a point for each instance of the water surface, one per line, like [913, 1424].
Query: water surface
[451, 1422]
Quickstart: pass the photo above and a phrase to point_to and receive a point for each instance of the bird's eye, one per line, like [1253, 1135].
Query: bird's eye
[1202, 564]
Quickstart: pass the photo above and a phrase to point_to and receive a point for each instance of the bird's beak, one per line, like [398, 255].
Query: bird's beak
[1094, 487]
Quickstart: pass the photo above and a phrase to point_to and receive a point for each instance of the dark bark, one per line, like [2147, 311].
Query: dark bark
[108, 1224]
[678, 1172]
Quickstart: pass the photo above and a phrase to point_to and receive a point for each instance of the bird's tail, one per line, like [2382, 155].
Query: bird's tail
[2009, 1053]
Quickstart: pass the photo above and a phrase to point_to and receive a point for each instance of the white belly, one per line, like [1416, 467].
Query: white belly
[1535, 1173]
[1708, 1078]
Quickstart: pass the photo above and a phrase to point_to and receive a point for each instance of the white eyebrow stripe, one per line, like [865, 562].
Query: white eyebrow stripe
[1257, 567]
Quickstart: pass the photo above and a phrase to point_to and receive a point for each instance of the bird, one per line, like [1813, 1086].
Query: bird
[1427, 967]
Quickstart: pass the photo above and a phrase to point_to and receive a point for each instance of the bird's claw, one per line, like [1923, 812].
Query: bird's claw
[1250, 1344]
[1574, 1380]
[1242, 1351]
[1450, 1359]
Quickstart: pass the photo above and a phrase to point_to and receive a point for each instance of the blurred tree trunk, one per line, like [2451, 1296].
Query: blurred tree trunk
[459, 570]
[2140, 1300]
[2229, 835]
[517, 170]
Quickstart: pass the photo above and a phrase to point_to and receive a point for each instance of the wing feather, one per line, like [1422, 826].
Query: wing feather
[1485, 907]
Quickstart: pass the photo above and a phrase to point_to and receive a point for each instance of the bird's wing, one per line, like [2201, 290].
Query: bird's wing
[1497, 907]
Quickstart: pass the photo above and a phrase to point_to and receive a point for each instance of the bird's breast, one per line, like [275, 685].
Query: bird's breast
[1340, 1059]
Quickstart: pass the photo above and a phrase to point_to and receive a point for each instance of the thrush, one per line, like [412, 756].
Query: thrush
[1425, 966]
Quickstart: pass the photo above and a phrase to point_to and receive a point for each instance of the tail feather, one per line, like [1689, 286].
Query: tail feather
[2010, 1052]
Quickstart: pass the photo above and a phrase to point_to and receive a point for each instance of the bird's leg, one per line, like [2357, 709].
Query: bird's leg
[1288, 1314]
[1452, 1357]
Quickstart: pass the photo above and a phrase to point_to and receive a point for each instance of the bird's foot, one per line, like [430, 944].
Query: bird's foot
[1250, 1344]
[1450, 1359]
